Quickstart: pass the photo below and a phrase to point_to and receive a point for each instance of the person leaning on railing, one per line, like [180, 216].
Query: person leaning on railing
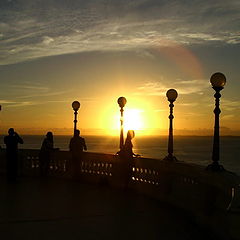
[126, 155]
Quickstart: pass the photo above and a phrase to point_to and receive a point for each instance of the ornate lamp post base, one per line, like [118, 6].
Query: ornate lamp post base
[170, 158]
[215, 167]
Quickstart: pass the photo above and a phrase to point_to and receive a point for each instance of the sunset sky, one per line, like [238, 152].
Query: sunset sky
[53, 52]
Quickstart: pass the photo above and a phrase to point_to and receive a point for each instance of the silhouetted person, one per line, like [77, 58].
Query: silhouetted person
[126, 155]
[45, 153]
[76, 146]
[11, 142]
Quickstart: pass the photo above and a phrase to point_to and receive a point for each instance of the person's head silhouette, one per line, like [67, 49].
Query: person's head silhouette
[130, 134]
[11, 131]
[76, 133]
[49, 135]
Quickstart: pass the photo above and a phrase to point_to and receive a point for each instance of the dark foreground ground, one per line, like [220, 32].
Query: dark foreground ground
[45, 209]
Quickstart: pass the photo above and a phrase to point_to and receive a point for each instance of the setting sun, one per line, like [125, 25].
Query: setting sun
[133, 119]
[138, 115]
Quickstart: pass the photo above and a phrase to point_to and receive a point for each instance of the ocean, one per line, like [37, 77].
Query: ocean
[190, 149]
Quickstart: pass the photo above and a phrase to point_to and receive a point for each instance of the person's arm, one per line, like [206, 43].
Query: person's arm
[136, 155]
[84, 145]
[70, 145]
[50, 145]
[19, 139]
[132, 153]
[47, 145]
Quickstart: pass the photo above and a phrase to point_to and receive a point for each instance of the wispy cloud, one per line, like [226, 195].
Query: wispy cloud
[183, 87]
[47, 40]
[192, 86]
[3, 101]
[28, 32]
[17, 102]
[229, 116]
[34, 90]
[230, 105]
[13, 103]
[192, 104]
[20, 103]
[47, 94]
[29, 87]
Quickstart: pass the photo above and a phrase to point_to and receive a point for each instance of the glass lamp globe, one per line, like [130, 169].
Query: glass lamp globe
[122, 101]
[75, 105]
[218, 79]
[171, 94]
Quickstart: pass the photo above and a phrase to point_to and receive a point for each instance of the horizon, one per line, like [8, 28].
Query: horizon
[139, 133]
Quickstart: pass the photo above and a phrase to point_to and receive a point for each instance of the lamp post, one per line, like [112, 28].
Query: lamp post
[121, 102]
[172, 96]
[218, 80]
[75, 106]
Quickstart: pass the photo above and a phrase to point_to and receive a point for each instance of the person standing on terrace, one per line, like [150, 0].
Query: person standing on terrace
[45, 153]
[76, 146]
[11, 142]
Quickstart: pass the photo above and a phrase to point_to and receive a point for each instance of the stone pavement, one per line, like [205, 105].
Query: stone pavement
[54, 208]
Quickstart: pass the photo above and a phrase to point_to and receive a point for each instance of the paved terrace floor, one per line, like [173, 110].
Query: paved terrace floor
[36, 208]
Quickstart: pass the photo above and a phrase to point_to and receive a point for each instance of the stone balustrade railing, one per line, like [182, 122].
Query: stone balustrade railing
[212, 198]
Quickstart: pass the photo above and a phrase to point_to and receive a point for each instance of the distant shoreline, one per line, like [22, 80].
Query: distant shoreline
[142, 136]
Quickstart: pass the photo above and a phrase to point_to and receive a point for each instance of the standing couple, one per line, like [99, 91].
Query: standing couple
[76, 147]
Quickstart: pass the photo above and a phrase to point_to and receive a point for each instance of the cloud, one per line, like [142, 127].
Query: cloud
[30, 87]
[47, 40]
[48, 94]
[32, 92]
[229, 116]
[200, 38]
[192, 104]
[28, 32]
[22, 104]
[152, 89]
[155, 88]
[229, 105]
[17, 102]
[2, 101]
[192, 86]
[13, 103]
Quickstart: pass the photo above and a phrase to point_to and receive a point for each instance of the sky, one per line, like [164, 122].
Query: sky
[53, 52]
